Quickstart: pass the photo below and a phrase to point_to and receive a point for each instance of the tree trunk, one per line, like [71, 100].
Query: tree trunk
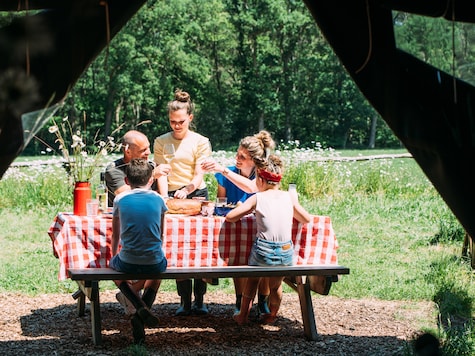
[372, 134]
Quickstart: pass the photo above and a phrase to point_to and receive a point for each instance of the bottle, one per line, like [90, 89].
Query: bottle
[101, 194]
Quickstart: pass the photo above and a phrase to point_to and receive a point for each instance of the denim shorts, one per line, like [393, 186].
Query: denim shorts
[121, 266]
[270, 253]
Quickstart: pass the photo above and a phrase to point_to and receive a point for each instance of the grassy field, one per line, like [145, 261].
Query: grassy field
[396, 234]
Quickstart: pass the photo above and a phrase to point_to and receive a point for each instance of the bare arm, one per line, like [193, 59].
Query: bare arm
[245, 184]
[122, 189]
[191, 187]
[162, 186]
[242, 209]
[115, 235]
[300, 214]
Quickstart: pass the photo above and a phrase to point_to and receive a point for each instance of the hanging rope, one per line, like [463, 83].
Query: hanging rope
[27, 43]
[370, 41]
[108, 33]
[454, 81]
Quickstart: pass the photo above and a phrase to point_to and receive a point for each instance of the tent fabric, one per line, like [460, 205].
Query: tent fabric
[417, 101]
[429, 111]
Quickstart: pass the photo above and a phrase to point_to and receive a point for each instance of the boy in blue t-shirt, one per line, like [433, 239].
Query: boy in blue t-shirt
[137, 224]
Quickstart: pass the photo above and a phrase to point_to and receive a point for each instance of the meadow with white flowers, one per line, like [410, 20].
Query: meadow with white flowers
[395, 233]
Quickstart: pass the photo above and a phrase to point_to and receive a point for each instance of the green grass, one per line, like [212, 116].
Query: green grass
[395, 233]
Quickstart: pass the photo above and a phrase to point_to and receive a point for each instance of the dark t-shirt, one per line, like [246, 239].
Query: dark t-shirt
[115, 178]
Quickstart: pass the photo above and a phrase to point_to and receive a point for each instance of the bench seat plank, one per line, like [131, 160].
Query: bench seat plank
[299, 277]
[95, 274]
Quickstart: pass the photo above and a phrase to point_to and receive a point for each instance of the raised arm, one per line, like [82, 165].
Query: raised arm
[245, 184]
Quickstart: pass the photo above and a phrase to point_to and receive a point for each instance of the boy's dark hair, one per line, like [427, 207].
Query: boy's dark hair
[138, 172]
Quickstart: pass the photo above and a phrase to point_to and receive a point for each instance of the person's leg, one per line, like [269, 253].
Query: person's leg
[150, 291]
[249, 292]
[263, 297]
[142, 310]
[239, 284]
[148, 297]
[275, 299]
[137, 286]
[199, 290]
[138, 329]
[184, 291]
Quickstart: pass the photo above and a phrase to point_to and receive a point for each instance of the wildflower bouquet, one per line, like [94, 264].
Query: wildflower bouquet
[79, 163]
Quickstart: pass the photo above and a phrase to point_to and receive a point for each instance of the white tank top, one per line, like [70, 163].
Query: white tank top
[274, 215]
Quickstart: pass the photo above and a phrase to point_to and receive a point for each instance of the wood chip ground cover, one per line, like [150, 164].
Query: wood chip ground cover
[49, 325]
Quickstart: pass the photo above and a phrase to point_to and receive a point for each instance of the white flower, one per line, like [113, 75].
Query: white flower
[80, 163]
[53, 129]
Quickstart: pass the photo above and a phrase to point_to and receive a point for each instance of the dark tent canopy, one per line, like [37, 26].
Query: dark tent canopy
[429, 111]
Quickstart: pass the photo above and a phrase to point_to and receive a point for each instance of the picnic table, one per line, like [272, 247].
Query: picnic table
[188, 241]
[196, 247]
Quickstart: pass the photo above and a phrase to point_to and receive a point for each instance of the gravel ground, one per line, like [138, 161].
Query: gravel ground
[49, 325]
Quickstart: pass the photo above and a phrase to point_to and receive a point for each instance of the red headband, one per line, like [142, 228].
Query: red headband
[269, 176]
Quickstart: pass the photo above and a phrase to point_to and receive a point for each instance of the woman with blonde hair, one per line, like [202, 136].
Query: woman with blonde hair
[185, 180]
[237, 183]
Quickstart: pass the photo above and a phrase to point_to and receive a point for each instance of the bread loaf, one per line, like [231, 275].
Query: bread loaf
[183, 206]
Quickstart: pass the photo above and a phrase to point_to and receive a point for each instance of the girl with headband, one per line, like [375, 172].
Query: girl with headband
[275, 209]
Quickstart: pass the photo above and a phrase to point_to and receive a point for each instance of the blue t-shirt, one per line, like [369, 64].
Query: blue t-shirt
[233, 193]
[140, 212]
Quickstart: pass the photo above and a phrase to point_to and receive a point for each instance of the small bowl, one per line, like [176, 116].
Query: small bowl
[222, 210]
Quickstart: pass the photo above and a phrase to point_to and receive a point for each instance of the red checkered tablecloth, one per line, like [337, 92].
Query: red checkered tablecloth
[189, 241]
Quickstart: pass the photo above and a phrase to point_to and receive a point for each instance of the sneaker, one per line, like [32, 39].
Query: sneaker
[126, 304]
[182, 311]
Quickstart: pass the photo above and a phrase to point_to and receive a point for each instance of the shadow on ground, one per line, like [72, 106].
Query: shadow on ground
[59, 330]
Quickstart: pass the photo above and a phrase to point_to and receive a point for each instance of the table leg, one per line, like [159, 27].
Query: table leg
[95, 313]
[306, 307]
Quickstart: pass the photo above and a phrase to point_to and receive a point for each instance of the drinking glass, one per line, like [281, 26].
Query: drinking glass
[205, 157]
[206, 154]
[293, 189]
[221, 201]
[220, 206]
[92, 207]
[168, 152]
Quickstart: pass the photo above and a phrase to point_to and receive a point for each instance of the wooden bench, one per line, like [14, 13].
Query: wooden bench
[302, 278]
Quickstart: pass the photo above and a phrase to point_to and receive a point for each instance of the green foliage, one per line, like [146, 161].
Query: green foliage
[449, 230]
[459, 339]
[33, 191]
[262, 64]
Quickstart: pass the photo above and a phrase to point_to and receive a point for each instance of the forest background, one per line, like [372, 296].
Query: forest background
[248, 65]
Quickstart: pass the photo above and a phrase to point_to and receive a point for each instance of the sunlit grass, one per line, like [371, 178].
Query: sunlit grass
[395, 233]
